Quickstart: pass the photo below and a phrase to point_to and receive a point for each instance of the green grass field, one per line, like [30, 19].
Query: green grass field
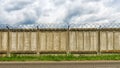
[60, 58]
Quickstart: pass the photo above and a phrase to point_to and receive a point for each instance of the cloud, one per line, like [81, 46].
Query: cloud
[59, 11]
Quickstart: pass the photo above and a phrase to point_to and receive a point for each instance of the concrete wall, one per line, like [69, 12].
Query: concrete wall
[83, 41]
[58, 41]
[110, 40]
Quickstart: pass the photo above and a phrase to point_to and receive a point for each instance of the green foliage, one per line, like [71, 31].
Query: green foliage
[60, 58]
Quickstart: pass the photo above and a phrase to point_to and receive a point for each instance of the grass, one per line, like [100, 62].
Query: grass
[60, 58]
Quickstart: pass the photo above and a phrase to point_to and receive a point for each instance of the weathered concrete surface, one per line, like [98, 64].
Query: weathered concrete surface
[57, 41]
[62, 64]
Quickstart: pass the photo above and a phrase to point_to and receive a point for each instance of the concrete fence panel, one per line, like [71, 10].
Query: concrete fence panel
[117, 41]
[63, 41]
[33, 41]
[56, 39]
[49, 41]
[43, 41]
[14, 41]
[4, 41]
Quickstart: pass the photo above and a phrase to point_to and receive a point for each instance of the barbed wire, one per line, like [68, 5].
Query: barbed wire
[61, 25]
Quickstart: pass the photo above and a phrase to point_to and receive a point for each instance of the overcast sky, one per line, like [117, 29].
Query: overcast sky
[59, 11]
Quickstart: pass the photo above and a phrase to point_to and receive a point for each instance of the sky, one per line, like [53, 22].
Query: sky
[59, 11]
